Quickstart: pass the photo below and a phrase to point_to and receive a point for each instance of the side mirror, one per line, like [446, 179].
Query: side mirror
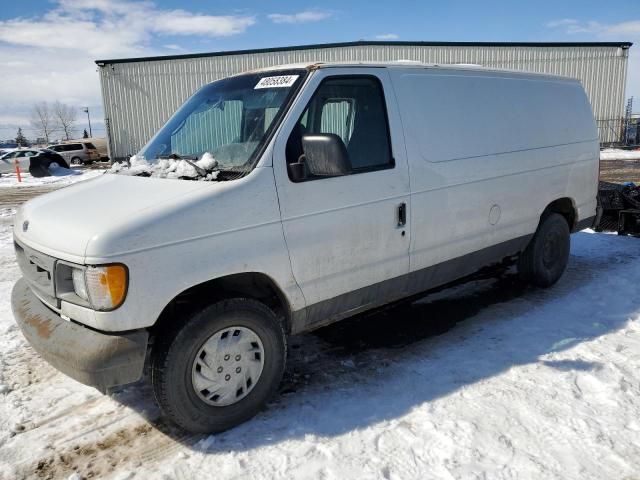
[325, 155]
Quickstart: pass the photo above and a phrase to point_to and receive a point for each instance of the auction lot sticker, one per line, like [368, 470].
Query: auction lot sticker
[276, 82]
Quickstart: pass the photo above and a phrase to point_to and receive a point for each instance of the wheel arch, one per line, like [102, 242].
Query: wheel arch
[564, 206]
[255, 285]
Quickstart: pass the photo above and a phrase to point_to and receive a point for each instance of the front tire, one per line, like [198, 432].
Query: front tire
[545, 259]
[221, 367]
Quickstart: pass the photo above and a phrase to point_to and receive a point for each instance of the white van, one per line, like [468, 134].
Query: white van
[278, 201]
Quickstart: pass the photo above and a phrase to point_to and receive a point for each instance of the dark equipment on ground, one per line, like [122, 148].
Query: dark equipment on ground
[621, 208]
[39, 164]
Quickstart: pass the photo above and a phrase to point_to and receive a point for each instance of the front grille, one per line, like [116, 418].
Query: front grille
[38, 270]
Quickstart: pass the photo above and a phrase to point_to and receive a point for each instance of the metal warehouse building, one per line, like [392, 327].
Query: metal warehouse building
[140, 94]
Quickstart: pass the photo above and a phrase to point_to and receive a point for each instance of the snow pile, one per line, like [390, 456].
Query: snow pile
[57, 171]
[207, 162]
[60, 171]
[202, 169]
[617, 154]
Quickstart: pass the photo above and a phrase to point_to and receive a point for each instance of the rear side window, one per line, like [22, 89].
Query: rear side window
[90, 146]
[74, 146]
[353, 108]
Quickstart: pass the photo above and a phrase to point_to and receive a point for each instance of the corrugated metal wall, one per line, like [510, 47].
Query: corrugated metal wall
[140, 96]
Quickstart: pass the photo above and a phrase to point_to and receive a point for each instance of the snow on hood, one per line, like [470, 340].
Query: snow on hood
[203, 169]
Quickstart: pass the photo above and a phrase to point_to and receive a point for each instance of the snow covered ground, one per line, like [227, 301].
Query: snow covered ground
[488, 380]
[59, 176]
[617, 154]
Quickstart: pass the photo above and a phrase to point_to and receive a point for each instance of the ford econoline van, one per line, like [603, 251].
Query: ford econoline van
[278, 201]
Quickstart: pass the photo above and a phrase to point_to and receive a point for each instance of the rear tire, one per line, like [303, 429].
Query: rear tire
[76, 161]
[545, 259]
[179, 355]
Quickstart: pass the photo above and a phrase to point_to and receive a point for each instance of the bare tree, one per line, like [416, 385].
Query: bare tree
[42, 120]
[65, 118]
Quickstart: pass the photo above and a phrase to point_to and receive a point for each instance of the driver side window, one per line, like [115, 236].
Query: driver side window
[353, 108]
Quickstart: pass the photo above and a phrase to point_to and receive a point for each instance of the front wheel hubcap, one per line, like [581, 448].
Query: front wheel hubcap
[228, 366]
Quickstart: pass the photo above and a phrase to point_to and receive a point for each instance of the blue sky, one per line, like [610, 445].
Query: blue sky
[47, 48]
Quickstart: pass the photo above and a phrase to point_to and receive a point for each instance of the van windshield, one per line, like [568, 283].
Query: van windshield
[220, 129]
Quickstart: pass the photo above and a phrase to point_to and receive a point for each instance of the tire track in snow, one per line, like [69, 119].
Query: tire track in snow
[12, 196]
[98, 455]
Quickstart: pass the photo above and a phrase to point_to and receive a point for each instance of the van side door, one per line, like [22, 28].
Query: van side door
[348, 236]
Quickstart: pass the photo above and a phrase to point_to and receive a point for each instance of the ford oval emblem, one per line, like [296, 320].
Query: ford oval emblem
[25, 225]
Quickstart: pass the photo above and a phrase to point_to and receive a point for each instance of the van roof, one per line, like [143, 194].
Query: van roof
[406, 64]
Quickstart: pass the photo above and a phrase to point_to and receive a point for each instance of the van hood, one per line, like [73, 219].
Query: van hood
[102, 216]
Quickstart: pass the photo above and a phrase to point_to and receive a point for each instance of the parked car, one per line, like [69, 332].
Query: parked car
[77, 153]
[324, 192]
[7, 161]
[35, 161]
[4, 151]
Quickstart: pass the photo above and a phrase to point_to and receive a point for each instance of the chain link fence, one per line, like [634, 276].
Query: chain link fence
[617, 132]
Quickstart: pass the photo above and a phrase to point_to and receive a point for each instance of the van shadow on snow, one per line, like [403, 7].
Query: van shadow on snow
[339, 378]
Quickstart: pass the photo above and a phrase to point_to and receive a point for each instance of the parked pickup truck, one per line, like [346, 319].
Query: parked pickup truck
[280, 200]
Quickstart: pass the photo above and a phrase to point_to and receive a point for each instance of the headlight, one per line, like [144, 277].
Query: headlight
[78, 283]
[104, 287]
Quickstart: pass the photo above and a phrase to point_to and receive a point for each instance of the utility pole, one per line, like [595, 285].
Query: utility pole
[86, 110]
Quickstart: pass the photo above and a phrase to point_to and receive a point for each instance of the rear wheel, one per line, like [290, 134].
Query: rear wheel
[76, 161]
[220, 368]
[545, 259]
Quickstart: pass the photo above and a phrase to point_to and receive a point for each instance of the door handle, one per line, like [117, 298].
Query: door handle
[402, 214]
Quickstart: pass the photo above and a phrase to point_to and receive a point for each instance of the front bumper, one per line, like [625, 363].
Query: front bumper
[94, 358]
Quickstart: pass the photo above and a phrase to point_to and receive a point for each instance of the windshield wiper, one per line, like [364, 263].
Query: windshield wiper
[231, 173]
[175, 156]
